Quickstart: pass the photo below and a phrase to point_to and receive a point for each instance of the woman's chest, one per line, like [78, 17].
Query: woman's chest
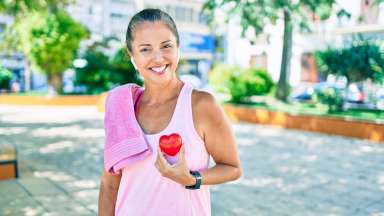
[154, 119]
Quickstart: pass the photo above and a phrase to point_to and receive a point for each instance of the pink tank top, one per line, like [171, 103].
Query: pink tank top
[143, 191]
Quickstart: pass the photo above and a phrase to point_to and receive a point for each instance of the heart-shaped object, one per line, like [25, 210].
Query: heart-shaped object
[170, 144]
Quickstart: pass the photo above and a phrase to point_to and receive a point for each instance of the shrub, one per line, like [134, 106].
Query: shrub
[220, 77]
[240, 84]
[332, 97]
[5, 78]
[258, 82]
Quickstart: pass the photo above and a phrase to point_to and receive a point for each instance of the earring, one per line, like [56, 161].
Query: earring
[178, 55]
[133, 63]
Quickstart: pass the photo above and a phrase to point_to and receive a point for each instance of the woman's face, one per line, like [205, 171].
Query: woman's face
[155, 52]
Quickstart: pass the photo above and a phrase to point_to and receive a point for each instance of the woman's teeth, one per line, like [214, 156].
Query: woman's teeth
[159, 69]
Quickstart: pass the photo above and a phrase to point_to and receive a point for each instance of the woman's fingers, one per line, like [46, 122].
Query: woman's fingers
[160, 155]
[161, 164]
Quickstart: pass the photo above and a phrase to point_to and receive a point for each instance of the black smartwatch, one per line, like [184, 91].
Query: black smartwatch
[198, 178]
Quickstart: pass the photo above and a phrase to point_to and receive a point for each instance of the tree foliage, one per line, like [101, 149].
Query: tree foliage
[50, 42]
[255, 15]
[21, 7]
[46, 35]
[357, 62]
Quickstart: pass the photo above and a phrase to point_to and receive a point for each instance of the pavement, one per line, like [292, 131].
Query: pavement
[286, 172]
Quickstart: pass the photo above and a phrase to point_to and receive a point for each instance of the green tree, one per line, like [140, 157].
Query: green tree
[20, 7]
[256, 14]
[50, 42]
[44, 33]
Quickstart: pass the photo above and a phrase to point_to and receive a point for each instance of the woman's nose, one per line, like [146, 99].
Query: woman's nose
[158, 56]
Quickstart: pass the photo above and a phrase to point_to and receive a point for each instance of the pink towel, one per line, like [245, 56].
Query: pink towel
[124, 140]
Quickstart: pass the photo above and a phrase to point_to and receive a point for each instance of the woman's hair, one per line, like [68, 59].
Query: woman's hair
[149, 15]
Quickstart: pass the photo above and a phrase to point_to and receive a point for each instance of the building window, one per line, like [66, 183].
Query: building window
[203, 19]
[119, 16]
[189, 15]
[180, 14]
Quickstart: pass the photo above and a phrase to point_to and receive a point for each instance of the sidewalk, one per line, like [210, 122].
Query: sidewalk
[286, 172]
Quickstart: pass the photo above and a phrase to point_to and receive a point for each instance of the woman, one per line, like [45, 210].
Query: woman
[152, 186]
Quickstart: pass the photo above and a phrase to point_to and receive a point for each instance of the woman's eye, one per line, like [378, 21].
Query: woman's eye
[144, 50]
[168, 46]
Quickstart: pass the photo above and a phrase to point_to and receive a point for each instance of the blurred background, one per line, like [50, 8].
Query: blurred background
[300, 51]
[266, 62]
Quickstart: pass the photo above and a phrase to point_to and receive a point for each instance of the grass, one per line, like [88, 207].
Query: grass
[30, 93]
[272, 104]
[45, 93]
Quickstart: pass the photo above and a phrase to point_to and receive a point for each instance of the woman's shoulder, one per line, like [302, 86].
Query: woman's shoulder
[122, 89]
[202, 99]
[205, 106]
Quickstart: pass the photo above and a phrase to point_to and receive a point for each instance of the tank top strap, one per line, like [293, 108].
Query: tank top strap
[183, 111]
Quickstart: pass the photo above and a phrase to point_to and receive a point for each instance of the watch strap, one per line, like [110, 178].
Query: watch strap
[198, 178]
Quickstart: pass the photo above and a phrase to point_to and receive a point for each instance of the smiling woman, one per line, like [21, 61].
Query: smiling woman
[153, 47]
[166, 111]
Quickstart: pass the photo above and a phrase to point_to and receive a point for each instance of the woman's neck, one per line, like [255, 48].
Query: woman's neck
[153, 95]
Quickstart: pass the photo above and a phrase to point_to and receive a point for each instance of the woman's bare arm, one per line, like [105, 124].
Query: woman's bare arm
[109, 186]
[212, 123]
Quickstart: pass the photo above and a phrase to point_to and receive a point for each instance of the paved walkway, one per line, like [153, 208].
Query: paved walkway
[286, 172]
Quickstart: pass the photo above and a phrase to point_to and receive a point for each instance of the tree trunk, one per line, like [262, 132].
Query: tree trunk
[283, 86]
[55, 81]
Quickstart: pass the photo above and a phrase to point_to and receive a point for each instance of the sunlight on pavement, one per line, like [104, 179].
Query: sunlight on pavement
[71, 131]
[12, 130]
[54, 175]
[56, 146]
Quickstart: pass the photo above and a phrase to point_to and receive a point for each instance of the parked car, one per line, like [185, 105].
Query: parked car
[355, 95]
[357, 98]
[380, 99]
[305, 91]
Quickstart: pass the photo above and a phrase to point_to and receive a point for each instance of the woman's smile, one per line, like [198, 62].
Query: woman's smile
[159, 69]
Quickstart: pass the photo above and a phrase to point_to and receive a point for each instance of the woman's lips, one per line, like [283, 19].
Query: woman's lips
[159, 70]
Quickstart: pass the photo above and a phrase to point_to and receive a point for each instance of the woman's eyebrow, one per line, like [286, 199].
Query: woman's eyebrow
[145, 45]
[166, 41]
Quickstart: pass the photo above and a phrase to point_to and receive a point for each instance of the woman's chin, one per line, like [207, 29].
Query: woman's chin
[160, 79]
[159, 73]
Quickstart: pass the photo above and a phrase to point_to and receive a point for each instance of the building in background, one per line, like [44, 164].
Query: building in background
[14, 62]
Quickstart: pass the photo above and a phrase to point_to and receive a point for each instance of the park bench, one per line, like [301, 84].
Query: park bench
[8, 162]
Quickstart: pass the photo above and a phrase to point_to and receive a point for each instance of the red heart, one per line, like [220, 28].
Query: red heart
[170, 144]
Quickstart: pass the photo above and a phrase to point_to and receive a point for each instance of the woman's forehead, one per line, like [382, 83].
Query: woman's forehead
[152, 33]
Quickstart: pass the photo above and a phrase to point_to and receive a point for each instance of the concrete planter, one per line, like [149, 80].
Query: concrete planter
[328, 125]
[61, 100]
